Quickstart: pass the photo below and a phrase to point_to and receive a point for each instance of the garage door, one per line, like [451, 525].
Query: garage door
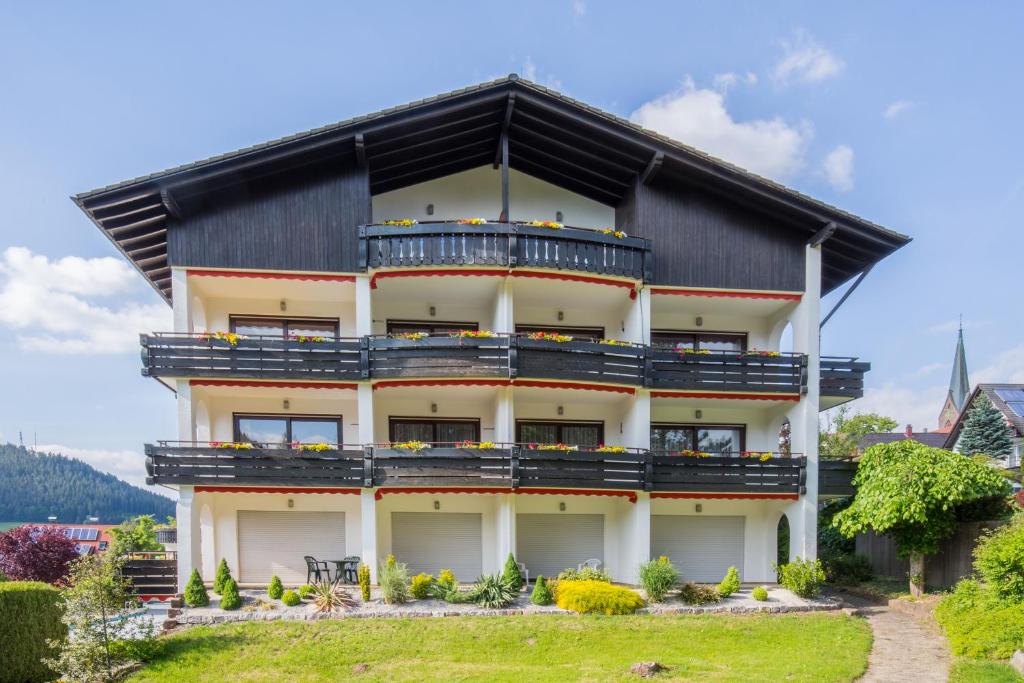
[432, 541]
[703, 547]
[274, 543]
[547, 544]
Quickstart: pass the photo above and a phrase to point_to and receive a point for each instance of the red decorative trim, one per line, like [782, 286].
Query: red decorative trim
[161, 597]
[272, 276]
[272, 489]
[739, 396]
[584, 386]
[463, 272]
[726, 496]
[630, 495]
[270, 385]
[577, 278]
[728, 294]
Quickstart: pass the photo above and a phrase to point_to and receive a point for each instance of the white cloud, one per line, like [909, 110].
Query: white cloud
[698, 117]
[928, 369]
[838, 168]
[723, 82]
[1005, 367]
[804, 60]
[52, 304]
[127, 465]
[896, 108]
[531, 73]
[917, 407]
[579, 8]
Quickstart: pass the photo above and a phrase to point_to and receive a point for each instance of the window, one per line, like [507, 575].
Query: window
[431, 327]
[575, 332]
[103, 545]
[583, 434]
[275, 430]
[713, 341]
[263, 326]
[435, 432]
[706, 438]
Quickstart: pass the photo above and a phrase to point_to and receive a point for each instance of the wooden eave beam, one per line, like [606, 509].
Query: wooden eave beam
[170, 203]
[520, 131]
[360, 145]
[823, 235]
[653, 166]
[505, 122]
[583, 169]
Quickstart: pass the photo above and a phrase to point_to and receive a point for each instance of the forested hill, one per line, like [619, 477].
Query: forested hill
[34, 486]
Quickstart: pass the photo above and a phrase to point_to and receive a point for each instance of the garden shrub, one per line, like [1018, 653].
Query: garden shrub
[846, 568]
[229, 597]
[658, 577]
[3, 577]
[364, 581]
[446, 578]
[541, 593]
[494, 592]
[29, 553]
[802, 577]
[600, 597]
[978, 624]
[276, 589]
[730, 582]
[394, 581]
[222, 575]
[760, 594]
[511, 574]
[305, 591]
[698, 594]
[195, 591]
[585, 574]
[30, 615]
[999, 560]
[420, 587]
[290, 598]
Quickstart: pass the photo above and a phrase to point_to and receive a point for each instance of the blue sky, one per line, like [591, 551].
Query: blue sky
[907, 114]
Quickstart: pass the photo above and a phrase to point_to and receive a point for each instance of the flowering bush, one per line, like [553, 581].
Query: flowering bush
[316, 338]
[614, 342]
[415, 336]
[411, 446]
[762, 354]
[553, 225]
[617, 234]
[763, 456]
[229, 337]
[554, 447]
[315, 447]
[237, 445]
[596, 597]
[482, 445]
[686, 453]
[402, 222]
[687, 351]
[472, 334]
[610, 449]
[550, 336]
[471, 221]
[30, 553]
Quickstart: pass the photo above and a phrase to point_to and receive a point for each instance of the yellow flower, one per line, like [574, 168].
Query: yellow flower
[472, 221]
[402, 222]
[618, 234]
[547, 224]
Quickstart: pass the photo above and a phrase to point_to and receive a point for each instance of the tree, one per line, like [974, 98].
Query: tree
[135, 535]
[29, 553]
[985, 431]
[512, 575]
[843, 432]
[222, 575]
[911, 492]
[195, 591]
[105, 633]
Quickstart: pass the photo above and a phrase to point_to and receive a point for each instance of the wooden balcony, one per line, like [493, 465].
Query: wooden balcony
[441, 356]
[449, 243]
[718, 371]
[151, 574]
[843, 377]
[728, 473]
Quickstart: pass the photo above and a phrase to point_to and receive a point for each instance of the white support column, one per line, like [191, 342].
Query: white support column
[364, 399]
[636, 425]
[506, 523]
[186, 425]
[364, 306]
[368, 530]
[504, 416]
[638, 526]
[638, 318]
[803, 418]
[504, 317]
[180, 301]
[188, 536]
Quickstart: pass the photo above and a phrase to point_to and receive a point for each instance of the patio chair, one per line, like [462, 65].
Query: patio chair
[524, 572]
[592, 563]
[317, 569]
[350, 569]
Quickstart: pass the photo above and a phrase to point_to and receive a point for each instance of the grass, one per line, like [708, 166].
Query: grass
[792, 647]
[982, 671]
[878, 588]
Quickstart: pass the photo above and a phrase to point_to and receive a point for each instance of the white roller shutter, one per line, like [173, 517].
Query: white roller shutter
[702, 547]
[432, 541]
[547, 544]
[274, 543]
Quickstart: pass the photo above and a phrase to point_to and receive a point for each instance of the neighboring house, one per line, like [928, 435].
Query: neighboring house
[1008, 399]
[934, 439]
[89, 539]
[351, 383]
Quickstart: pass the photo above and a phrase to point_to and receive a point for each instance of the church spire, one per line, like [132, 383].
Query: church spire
[959, 384]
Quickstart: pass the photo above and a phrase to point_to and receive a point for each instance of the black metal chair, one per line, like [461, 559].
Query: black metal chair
[350, 569]
[317, 569]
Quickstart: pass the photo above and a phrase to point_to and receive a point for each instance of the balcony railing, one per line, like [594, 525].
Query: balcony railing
[499, 355]
[506, 466]
[449, 243]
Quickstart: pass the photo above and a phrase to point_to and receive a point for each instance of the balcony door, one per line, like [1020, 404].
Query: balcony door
[270, 326]
[268, 431]
[719, 439]
[436, 432]
[580, 333]
[431, 327]
[711, 341]
[582, 434]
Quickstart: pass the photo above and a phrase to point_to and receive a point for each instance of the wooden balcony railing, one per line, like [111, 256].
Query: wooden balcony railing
[449, 243]
[440, 356]
[843, 376]
[510, 466]
[579, 360]
[746, 371]
[151, 574]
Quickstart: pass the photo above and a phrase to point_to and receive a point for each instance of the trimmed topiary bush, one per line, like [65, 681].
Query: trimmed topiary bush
[195, 591]
[658, 577]
[697, 594]
[229, 597]
[760, 594]
[306, 591]
[222, 575]
[511, 574]
[291, 598]
[30, 615]
[276, 589]
[420, 586]
[364, 581]
[730, 584]
[803, 577]
[588, 597]
[541, 592]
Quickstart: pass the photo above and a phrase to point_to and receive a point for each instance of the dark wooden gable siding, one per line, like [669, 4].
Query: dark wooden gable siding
[297, 221]
[702, 240]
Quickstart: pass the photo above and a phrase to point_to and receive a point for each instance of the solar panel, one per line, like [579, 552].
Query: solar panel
[89, 534]
[1017, 407]
[1010, 394]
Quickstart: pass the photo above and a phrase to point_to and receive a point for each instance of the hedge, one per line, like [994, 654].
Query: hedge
[30, 613]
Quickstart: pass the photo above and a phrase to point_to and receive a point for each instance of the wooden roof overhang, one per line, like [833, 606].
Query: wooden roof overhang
[552, 137]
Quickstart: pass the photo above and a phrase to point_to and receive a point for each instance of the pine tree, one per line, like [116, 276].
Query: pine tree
[512, 575]
[195, 591]
[222, 575]
[276, 589]
[230, 599]
[541, 592]
[985, 431]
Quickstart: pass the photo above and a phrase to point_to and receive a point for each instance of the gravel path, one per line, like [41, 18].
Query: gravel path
[906, 648]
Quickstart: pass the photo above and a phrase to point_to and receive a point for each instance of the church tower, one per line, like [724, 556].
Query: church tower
[959, 387]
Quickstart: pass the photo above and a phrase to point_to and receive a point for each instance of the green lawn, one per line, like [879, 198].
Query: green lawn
[793, 647]
[982, 671]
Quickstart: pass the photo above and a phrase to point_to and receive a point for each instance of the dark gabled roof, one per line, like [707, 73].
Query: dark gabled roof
[934, 439]
[553, 137]
[1016, 421]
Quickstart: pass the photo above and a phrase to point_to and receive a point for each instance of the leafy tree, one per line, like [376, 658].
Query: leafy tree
[106, 633]
[511, 574]
[843, 432]
[985, 431]
[30, 553]
[135, 535]
[911, 493]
